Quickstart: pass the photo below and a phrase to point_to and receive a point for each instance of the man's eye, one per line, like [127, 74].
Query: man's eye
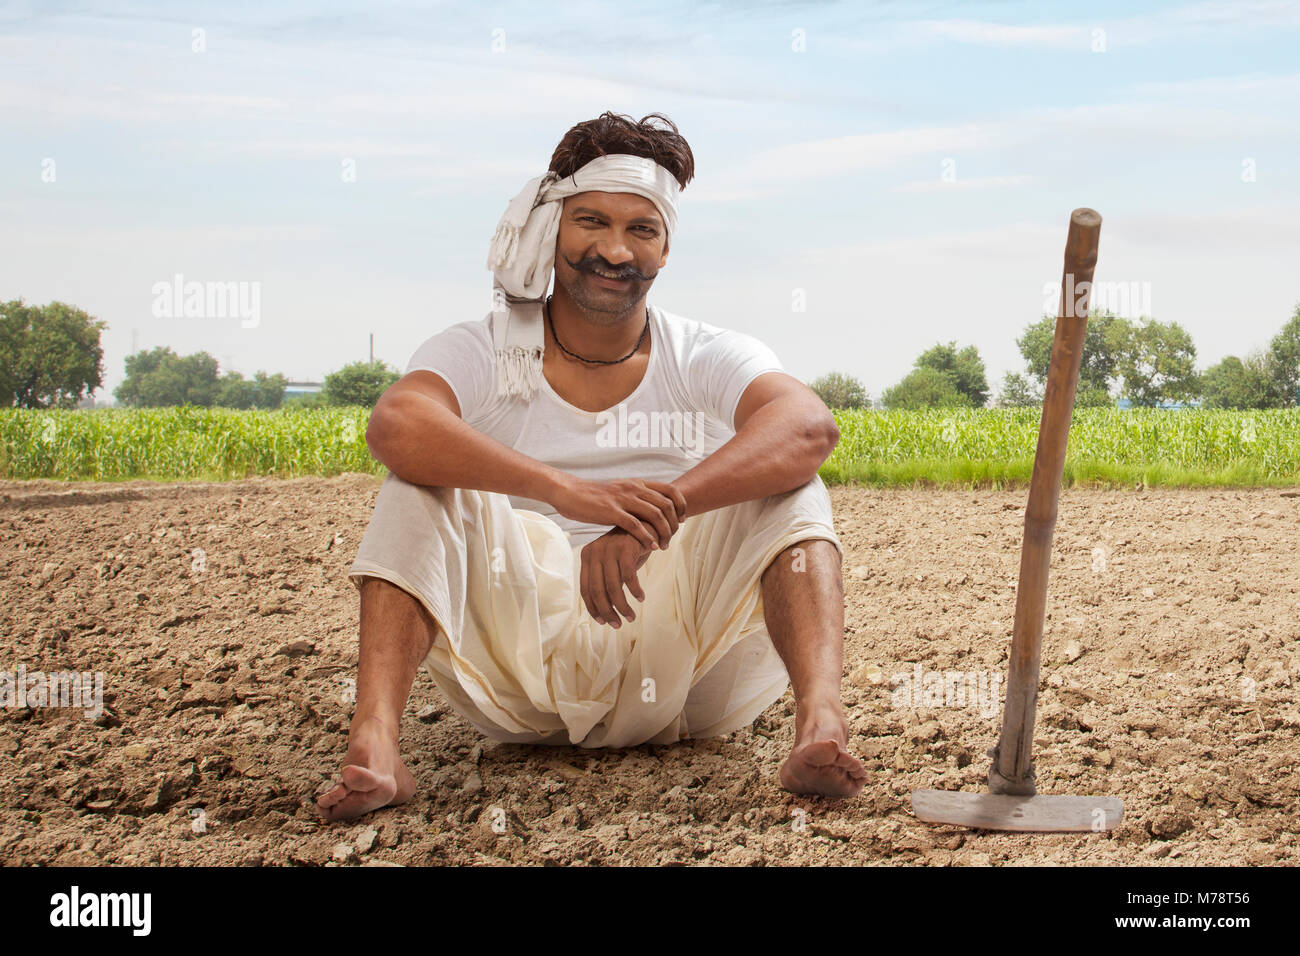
[649, 231]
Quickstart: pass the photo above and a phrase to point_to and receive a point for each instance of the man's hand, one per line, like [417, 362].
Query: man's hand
[608, 563]
[649, 511]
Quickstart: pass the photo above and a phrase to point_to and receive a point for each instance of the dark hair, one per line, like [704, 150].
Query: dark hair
[617, 133]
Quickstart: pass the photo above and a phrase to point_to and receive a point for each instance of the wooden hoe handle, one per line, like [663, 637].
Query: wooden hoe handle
[1012, 771]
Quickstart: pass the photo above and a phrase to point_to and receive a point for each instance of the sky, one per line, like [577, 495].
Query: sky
[871, 177]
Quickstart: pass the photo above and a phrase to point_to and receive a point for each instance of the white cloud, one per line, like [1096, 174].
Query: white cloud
[450, 178]
[939, 185]
[816, 159]
[1164, 25]
[1003, 34]
[162, 237]
[1009, 241]
[1134, 124]
[1251, 12]
[1243, 231]
[1222, 85]
[337, 147]
[700, 191]
[1130, 125]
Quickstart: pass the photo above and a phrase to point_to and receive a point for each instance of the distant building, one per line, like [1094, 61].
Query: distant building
[299, 389]
[1125, 403]
[89, 401]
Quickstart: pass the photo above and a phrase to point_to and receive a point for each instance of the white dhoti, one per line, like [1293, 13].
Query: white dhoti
[520, 658]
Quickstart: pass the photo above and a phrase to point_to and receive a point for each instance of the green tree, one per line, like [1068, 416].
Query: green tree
[964, 368]
[262, 391]
[50, 356]
[360, 383]
[1157, 362]
[1237, 384]
[270, 389]
[1092, 397]
[236, 391]
[1283, 362]
[1018, 392]
[161, 377]
[925, 388]
[840, 391]
[1105, 335]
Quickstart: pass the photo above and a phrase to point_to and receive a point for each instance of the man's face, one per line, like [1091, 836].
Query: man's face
[618, 234]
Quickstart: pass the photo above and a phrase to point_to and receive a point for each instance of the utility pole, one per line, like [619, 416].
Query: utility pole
[372, 347]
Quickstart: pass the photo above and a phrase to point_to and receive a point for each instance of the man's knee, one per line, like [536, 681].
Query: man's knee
[389, 602]
[805, 555]
[809, 501]
[377, 590]
[383, 595]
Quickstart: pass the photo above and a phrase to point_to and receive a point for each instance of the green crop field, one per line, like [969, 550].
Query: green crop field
[967, 447]
[1108, 446]
[114, 444]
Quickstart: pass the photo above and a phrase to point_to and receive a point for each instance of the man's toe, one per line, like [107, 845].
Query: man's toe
[336, 791]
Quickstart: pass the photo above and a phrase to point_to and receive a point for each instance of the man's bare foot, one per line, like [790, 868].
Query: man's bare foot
[373, 774]
[820, 761]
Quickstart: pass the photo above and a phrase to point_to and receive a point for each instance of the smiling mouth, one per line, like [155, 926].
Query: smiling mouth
[609, 279]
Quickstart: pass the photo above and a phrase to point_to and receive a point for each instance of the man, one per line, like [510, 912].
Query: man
[564, 451]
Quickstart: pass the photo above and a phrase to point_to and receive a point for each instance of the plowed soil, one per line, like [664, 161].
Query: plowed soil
[226, 632]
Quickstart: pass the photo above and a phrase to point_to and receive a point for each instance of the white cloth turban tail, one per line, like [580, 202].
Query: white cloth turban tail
[522, 255]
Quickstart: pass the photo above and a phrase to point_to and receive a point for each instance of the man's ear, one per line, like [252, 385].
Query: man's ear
[663, 258]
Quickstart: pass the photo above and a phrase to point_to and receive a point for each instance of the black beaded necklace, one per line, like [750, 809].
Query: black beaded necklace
[597, 361]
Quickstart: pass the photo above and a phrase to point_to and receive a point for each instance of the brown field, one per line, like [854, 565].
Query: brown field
[1169, 680]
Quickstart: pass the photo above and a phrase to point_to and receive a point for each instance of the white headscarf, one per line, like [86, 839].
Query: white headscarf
[522, 254]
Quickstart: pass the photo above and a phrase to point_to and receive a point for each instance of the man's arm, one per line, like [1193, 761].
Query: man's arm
[417, 433]
[417, 420]
[783, 434]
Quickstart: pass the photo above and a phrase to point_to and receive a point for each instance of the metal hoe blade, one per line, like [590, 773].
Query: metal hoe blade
[994, 811]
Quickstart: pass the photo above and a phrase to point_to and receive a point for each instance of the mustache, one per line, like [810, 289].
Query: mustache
[592, 263]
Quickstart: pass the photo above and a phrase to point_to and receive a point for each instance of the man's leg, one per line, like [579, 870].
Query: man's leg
[396, 634]
[803, 605]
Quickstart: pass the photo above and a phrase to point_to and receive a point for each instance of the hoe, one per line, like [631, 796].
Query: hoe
[1013, 802]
